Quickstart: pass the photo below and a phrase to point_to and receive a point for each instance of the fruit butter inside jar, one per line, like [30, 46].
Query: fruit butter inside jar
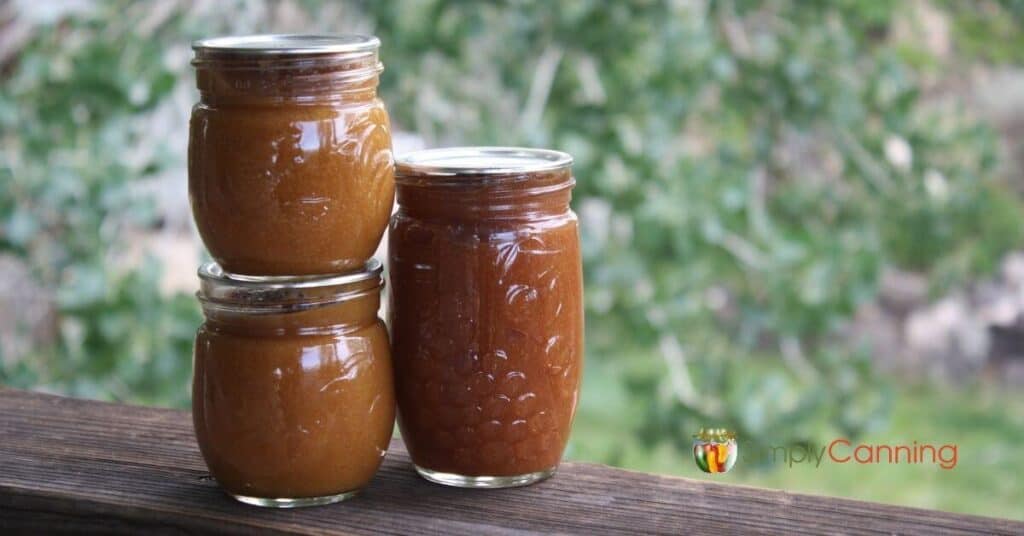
[293, 398]
[486, 313]
[290, 163]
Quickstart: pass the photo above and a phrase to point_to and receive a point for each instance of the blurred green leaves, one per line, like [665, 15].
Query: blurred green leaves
[73, 173]
[745, 171]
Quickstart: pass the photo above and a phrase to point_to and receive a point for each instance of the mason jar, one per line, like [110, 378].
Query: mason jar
[290, 165]
[486, 313]
[292, 397]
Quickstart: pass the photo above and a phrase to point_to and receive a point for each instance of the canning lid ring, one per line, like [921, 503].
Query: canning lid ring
[287, 44]
[480, 161]
[224, 289]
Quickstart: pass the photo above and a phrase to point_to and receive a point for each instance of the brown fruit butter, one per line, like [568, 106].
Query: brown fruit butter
[486, 312]
[293, 401]
[290, 163]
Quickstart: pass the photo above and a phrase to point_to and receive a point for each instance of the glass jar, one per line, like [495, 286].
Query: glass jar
[290, 164]
[292, 397]
[486, 313]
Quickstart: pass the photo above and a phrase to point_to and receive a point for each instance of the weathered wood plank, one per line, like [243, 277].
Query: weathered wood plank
[79, 466]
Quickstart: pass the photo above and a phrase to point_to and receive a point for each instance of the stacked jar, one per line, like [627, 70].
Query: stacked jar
[291, 181]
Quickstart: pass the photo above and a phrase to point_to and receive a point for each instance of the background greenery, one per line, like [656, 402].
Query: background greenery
[746, 172]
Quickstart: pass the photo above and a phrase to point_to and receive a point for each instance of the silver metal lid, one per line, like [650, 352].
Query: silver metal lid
[221, 288]
[287, 44]
[455, 161]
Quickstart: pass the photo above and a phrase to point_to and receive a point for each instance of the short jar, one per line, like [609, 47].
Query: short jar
[292, 396]
[290, 164]
[486, 312]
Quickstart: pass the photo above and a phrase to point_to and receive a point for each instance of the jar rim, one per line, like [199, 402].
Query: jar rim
[278, 45]
[220, 288]
[480, 161]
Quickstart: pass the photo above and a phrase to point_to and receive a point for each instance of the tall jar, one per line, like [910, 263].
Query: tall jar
[290, 164]
[292, 398]
[486, 313]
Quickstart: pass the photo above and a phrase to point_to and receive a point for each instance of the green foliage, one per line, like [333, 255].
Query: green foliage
[989, 29]
[70, 132]
[745, 171]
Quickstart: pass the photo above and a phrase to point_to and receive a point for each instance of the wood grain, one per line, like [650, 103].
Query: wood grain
[79, 466]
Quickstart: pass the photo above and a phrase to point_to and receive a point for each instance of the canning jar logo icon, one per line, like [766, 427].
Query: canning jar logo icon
[715, 450]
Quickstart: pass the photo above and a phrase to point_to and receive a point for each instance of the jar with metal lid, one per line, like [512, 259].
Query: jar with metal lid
[290, 163]
[292, 396]
[486, 312]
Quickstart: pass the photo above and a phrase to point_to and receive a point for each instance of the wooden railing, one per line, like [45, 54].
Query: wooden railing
[70, 465]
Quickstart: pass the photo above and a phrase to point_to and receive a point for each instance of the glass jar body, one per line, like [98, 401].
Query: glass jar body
[290, 165]
[296, 408]
[486, 316]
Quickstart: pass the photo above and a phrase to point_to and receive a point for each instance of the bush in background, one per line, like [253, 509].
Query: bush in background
[746, 170]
